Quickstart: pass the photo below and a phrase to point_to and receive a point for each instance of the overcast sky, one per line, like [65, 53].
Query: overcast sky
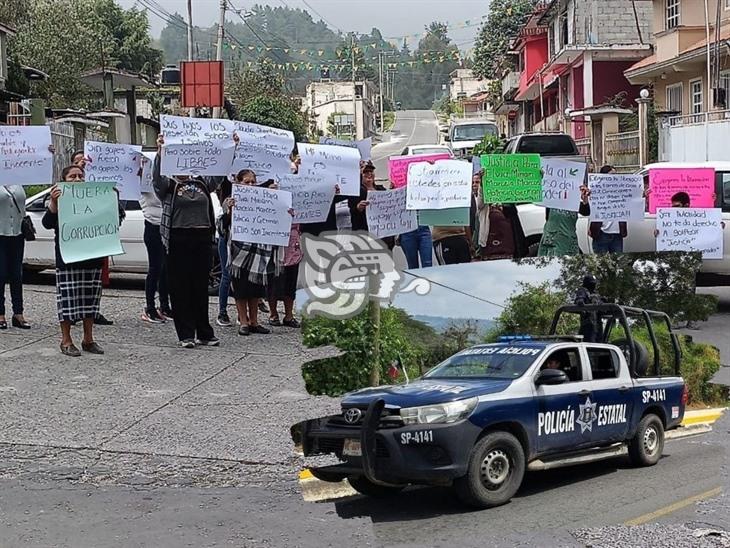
[394, 18]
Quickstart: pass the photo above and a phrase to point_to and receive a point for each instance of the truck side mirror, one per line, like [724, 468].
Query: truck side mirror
[551, 377]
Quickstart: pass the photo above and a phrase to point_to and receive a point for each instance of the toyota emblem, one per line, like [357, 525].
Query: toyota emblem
[352, 415]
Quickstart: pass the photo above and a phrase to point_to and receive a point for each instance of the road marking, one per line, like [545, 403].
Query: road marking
[651, 516]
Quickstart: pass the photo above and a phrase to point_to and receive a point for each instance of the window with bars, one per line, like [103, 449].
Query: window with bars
[672, 12]
[674, 98]
[696, 96]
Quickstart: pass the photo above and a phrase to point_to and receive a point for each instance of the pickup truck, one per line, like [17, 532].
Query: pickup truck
[465, 134]
[552, 145]
[480, 419]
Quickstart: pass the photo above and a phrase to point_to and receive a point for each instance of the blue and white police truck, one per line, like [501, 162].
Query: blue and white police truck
[480, 419]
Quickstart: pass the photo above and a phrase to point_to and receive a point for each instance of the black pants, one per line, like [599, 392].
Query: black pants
[11, 271]
[156, 281]
[189, 259]
[452, 250]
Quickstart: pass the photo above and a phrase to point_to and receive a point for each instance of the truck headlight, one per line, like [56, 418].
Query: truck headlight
[442, 413]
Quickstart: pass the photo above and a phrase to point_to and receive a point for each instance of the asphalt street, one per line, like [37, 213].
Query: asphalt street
[715, 330]
[411, 127]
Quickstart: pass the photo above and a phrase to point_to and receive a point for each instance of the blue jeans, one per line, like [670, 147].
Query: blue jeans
[608, 243]
[11, 271]
[415, 243]
[156, 280]
[225, 286]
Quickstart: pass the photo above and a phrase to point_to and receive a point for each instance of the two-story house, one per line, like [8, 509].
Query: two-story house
[696, 126]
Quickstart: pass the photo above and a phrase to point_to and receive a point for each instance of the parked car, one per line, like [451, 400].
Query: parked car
[464, 135]
[641, 234]
[40, 254]
[415, 150]
[480, 419]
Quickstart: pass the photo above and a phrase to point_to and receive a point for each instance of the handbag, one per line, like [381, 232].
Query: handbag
[26, 225]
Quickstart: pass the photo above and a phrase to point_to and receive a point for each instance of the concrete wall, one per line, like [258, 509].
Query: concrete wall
[660, 89]
[3, 59]
[609, 81]
[610, 22]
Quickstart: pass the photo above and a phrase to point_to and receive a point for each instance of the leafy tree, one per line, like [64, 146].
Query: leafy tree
[490, 144]
[12, 12]
[504, 21]
[363, 70]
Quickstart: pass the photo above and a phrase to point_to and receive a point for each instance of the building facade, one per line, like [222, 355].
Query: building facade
[464, 85]
[330, 106]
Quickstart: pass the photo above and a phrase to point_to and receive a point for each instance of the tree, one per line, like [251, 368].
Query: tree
[363, 70]
[504, 21]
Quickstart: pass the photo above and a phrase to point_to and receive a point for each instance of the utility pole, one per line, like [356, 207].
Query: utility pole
[354, 94]
[219, 49]
[190, 43]
[380, 85]
[374, 314]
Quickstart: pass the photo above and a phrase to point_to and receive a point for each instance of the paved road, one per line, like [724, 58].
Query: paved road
[412, 127]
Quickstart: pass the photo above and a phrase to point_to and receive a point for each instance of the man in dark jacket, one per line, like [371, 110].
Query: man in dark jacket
[590, 323]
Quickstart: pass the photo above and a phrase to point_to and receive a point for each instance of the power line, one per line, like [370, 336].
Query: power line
[322, 17]
[410, 273]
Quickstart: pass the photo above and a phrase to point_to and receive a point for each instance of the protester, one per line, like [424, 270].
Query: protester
[608, 236]
[451, 244]
[12, 246]
[251, 265]
[156, 280]
[417, 243]
[186, 230]
[359, 204]
[78, 285]
[78, 158]
[224, 289]
[284, 286]
[476, 184]
[559, 237]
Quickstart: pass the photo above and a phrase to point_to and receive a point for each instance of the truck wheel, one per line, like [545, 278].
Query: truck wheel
[495, 471]
[646, 447]
[366, 487]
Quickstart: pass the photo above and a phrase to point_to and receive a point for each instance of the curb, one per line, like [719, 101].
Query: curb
[703, 416]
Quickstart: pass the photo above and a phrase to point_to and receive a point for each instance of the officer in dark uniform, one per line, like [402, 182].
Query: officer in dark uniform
[590, 323]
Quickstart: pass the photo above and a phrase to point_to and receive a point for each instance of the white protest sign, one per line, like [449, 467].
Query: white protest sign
[690, 229]
[264, 150]
[387, 214]
[365, 146]
[311, 197]
[24, 155]
[196, 146]
[261, 215]
[114, 163]
[337, 165]
[445, 184]
[561, 183]
[148, 162]
[616, 197]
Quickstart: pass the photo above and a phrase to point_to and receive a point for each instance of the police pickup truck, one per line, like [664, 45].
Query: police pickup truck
[481, 418]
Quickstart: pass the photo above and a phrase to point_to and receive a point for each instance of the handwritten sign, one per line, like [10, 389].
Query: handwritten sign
[261, 215]
[148, 162]
[365, 146]
[196, 146]
[115, 163]
[387, 214]
[690, 229]
[88, 221]
[616, 197]
[398, 166]
[24, 155]
[337, 165]
[561, 183]
[264, 150]
[512, 178]
[311, 197]
[443, 185]
[458, 216]
[665, 183]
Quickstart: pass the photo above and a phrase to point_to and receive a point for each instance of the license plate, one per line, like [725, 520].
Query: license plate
[352, 448]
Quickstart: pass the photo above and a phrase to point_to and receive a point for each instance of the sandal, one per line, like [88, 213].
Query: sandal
[70, 350]
[276, 322]
[92, 348]
[292, 323]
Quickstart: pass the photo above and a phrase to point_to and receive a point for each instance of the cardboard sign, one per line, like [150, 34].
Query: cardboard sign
[690, 229]
[264, 150]
[616, 197]
[337, 165]
[445, 184]
[387, 214]
[148, 162]
[261, 215]
[512, 178]
[88, 221]
[117, 163]
[398, 166]
[665, 183]
[444, 217]
[365, 146]
[196, 146]
[561, 183]
[311, 197]
[24, 155]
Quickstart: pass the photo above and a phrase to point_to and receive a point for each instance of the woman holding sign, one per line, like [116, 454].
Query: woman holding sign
[12, 246]
[559, 237]
[78, 285]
